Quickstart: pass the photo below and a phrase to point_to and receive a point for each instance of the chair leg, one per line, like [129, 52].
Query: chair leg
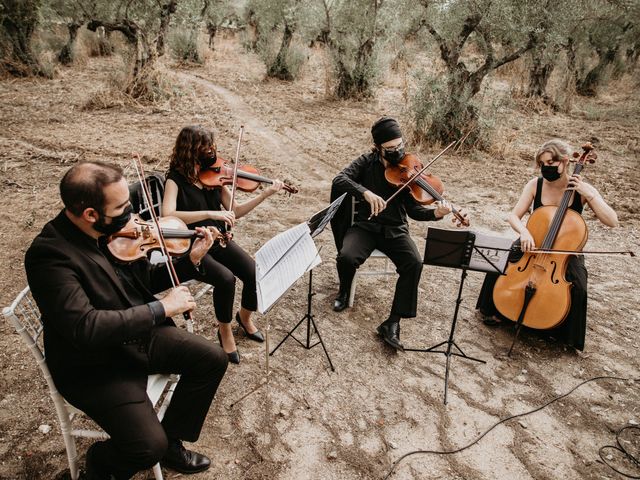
[157, 472]
[352, 292]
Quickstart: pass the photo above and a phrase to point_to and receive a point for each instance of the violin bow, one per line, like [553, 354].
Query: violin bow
[580, 252]
[235, 170]
[146, 194]
[417, 175]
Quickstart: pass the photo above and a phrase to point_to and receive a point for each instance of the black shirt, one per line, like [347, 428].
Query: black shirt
[191, 198]
[367, 173]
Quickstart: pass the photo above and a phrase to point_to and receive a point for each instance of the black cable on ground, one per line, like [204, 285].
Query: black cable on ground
[553, 400]
[626, 454]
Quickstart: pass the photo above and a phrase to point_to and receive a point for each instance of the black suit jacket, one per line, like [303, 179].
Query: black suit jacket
[95, 337]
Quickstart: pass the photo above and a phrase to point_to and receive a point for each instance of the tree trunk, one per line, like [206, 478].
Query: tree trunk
[66, 55]
[459, 116]
[588, 87]
[280, 67]
[539, 76]
[356, 83]
[18, 25]
[165, 17]
[212, 29]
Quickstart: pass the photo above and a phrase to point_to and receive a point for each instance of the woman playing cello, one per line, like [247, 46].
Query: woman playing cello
[188, 199]
[547, 190]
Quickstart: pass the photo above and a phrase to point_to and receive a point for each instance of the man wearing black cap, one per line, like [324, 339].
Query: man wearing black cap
[387, 230]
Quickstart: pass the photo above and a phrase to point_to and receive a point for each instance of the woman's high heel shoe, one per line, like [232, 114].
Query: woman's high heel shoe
[255, 336]
[234, 357]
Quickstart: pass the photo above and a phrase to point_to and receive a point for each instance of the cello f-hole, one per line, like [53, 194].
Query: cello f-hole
[526, 265]
[553, 272]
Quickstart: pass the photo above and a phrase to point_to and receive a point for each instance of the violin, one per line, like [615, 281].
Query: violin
[534, 292]
[425, 188]
[139, 237]
[221, 173]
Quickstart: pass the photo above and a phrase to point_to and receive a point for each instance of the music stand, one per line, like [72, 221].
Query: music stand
[316, 223]
[456, 249]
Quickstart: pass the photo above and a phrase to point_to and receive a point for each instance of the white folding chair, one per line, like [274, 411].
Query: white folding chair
[387, 267]
[26, 319]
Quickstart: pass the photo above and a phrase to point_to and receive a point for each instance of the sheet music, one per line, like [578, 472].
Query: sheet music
[495, 249]
[281, 261]
[320, 219]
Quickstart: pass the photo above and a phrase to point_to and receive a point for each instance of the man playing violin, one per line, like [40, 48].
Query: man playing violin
[105, 332]
[382, 226]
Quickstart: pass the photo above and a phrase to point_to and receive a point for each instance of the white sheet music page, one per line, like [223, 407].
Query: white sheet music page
[281, 261]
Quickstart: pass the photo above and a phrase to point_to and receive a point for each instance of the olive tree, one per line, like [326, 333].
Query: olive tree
[496, 31]
[18, 21]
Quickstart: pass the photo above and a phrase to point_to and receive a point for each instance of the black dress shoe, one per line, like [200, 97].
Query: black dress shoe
[234, 357]
[390, 333]
[182, 460]
[341, 302]
[255, 336]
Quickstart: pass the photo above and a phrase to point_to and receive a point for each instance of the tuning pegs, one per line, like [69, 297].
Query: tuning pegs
[576, 154]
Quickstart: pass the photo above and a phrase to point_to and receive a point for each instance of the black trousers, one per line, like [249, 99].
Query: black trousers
[222, 266]
[357, 246]
[138, 440]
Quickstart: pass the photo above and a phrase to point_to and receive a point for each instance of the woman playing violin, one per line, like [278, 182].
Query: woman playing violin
[547, 190]
[185, 197]
[382, 226]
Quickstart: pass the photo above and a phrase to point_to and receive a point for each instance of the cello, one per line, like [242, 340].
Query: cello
[534, 291]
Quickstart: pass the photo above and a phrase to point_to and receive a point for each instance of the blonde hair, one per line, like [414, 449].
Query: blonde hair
[559, 150]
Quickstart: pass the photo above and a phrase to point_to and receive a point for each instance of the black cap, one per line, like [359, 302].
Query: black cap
[385, 129]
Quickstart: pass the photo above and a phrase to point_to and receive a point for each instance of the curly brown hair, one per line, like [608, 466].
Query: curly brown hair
[191, 142]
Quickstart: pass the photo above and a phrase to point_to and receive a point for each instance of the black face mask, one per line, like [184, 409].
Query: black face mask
[117, 223]
[394, 157]
[207, 161]
[550, 172]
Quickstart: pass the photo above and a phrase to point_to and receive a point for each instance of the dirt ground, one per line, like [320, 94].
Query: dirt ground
[310, 422]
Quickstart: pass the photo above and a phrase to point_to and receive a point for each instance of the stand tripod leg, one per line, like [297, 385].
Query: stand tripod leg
[289, 334]
[322, 343]
[310, 322]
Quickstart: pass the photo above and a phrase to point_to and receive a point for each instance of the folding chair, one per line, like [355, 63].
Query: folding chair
[387, 268]
[26, 319]
[155, 181]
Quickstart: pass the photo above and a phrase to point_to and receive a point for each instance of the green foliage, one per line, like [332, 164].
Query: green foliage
[356, 33]
[473, 38]
[275, 23]
[186, 47]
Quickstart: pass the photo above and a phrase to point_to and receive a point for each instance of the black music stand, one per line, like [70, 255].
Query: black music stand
[316, 223]
[453, 249]
[309, 317]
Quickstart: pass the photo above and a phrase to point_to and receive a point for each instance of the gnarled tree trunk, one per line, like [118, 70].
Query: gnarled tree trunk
[19, 21]
[355, 83]
[66, 54]
[167, 10]
[280, 67]
[539, 75]
[588, 86]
